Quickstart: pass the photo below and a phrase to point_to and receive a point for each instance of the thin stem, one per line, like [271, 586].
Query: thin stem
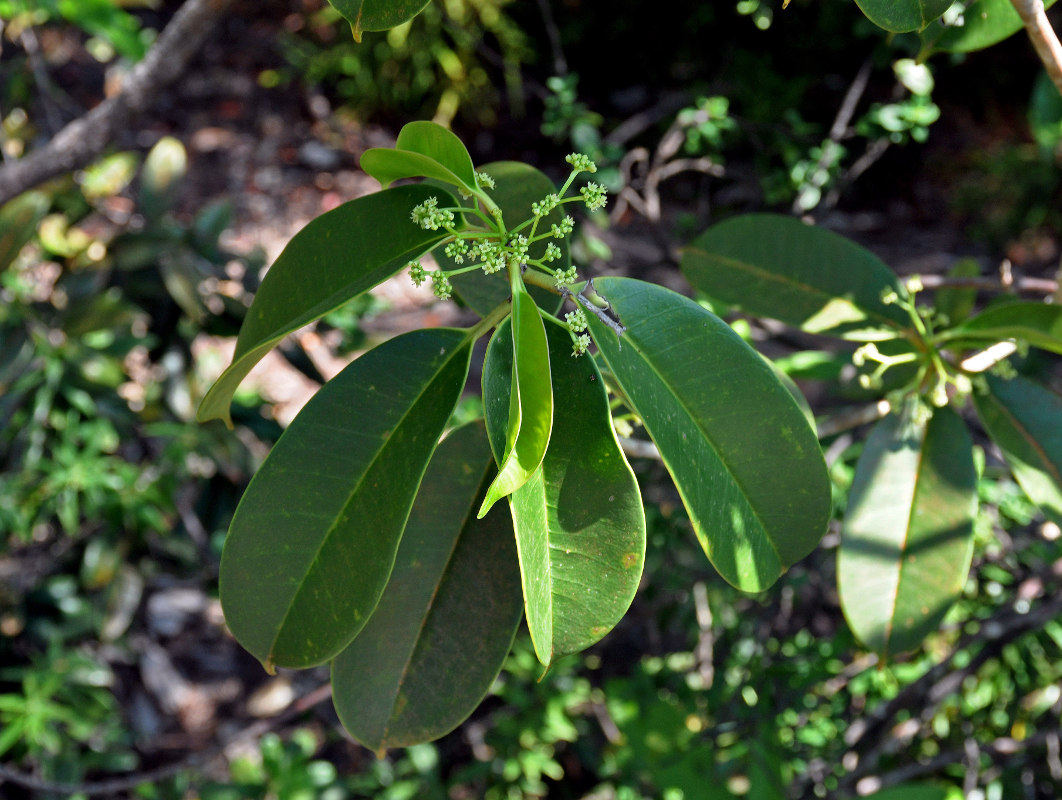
[1043, 37]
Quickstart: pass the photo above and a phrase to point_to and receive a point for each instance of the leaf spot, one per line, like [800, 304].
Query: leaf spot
[629, 560]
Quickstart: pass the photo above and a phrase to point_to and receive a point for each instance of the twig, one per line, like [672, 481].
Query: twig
[128, 782]
[82, 140]
[1043, 37]
[1031, 285]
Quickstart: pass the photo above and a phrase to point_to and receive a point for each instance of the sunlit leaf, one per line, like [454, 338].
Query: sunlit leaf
[907, 538]
[982, 24]
[336, 257]
[19, 219]
[741, 453]
[1039, 324]
[776, 266]
[580, 527]
[450, 609]
[1025, 420]
[313, 540]
[423, 150]
[530, 416]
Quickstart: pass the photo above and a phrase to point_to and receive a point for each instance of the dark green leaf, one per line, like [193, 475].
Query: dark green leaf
[775, 266]
[900, 16]
[377, 15]
[19, 219]
[907, 538]
[517, 186]
[1039, 324]
[580, 527]
[1025, 420]
[313, 540]
[746, 463]
[984, 23]
[956, 303]
[913, 791]
[334, 258]
[449, 612]
[530, 416]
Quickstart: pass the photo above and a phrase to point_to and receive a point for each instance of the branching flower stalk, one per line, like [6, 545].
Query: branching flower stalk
[479, 239]
[935, 373]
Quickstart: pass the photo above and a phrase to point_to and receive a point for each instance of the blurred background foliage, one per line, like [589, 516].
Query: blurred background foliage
[117, 283]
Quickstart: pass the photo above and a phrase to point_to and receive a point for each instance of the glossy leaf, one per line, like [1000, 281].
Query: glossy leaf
[984, 23]
[450, 609]
[580, 526]
[313, 540]
[423, 150]
[1039, 324]
[530, 416]
[776, 266]
[900, 16]
[907, 538]
[377, 15]
[1025, 420]
[516, 187]
[336, 257]
[741, 453]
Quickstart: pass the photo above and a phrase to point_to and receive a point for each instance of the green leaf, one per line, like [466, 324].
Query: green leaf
[19, 219]
[915, 791]
[580, 526]
[336, 257]
[530, 415]
[744, 459]
[900, 16]
[957, 302]
[984, 23]
[1039, 324]
[775, 266]
[907, 538]
[313, 540]
[377, 15]
[517, 186]
[450, 610]
[1025, 420]
[423, 150]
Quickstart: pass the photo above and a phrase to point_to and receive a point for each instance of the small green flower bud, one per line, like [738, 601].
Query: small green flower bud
[580, 344]
[430, 217]
[594, 195]
[416, 273]
[562, 278]
[441, 286]
[548, 203]
[552, 253]
[457, 250]
[581, 162]
[576, 320]
[566, 226]
[484, 181]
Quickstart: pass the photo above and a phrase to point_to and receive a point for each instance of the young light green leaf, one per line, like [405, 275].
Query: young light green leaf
[313, 540]
[900, 16]
[377, 15]
[516, 187]
[336, 257]
[1039, 324]
[451, 608]
[530, 402]
[982, 24]
[776, 266]
[580, 526]
[741, 453]
[1025, 420]
[907, 538]
[423, 150]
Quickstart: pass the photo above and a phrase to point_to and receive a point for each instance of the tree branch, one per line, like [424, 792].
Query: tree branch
[82, 140]
[1043, 37]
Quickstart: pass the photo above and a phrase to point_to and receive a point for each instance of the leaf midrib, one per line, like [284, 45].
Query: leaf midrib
[789, 283]
[357, 486]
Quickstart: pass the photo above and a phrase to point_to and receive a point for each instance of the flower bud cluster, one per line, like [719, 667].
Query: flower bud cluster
[430, 217]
